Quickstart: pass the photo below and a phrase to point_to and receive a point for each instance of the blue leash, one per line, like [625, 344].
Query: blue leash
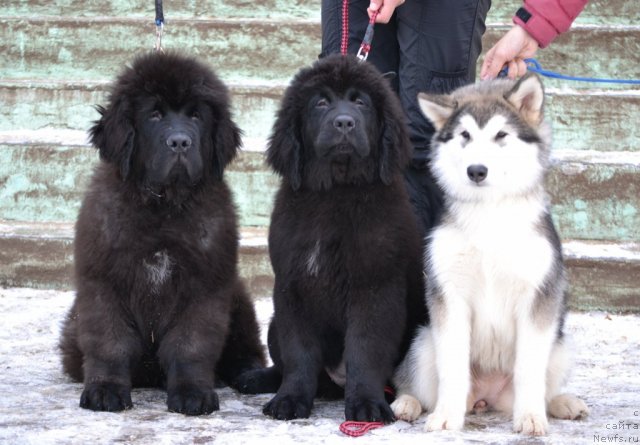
[534, 66]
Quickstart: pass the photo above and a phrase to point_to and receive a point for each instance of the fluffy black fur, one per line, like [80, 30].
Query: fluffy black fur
[343, 243]
[159, 301]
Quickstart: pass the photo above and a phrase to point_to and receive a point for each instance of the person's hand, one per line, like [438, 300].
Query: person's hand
[385, 9]
[515, 46]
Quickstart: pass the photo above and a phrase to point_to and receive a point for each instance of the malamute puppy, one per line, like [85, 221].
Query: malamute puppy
[496, 280]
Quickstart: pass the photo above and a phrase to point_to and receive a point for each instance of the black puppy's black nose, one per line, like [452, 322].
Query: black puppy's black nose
[179, 142]
[344, 123]
[477, 173]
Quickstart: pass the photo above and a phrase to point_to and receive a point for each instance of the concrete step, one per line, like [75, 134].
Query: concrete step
[183, 9]
[34, 104]
[602, 12]
[595, 195]
[41, 181]
[58, 58]
[41, 255]
[576, 115]
[94, 48]
[603, 276]
[618, 12]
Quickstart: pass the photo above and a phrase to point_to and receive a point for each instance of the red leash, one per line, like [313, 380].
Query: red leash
[357, 429]
[350, 427]
[365, 46]
[344, 45]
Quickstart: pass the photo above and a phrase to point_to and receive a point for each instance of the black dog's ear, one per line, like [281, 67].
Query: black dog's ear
[394, 142]
[226, 143]
[113, 135]
[225, 134]
[285, 150]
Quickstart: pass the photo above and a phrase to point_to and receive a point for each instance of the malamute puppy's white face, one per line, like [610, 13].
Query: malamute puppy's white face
[489, 142]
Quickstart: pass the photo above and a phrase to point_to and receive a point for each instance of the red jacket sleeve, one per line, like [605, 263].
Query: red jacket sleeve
[544, 20]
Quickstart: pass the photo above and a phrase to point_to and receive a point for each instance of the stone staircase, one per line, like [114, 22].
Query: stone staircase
[58, 58]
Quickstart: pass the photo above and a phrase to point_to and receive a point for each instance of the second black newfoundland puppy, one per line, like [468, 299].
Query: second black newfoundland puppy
[343, 242]
[159, 301]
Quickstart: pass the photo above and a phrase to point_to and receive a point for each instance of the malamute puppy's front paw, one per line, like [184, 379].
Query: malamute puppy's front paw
[531, 424]
[442, 419]
[568, 407]
[406, 408]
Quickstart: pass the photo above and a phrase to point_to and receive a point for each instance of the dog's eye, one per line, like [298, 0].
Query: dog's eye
[195, 115]
[321, 103]
[155, 115]
[501, 135]
[465, 134]
[359, 102]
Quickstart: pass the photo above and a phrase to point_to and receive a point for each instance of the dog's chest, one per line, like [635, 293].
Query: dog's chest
[497, 251]
[157, 269]
[313, 260]
[495, 263]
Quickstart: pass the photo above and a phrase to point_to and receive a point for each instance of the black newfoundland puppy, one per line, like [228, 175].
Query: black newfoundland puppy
[159, 301]
[343, 242]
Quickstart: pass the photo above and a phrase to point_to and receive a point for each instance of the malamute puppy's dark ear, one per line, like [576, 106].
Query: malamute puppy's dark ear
[437, 108]
[527, 96]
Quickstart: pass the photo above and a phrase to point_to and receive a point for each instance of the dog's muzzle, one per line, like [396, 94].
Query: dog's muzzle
[477, 173]
[179, 142]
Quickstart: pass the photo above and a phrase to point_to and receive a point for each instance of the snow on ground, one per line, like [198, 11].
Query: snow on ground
[39, 405]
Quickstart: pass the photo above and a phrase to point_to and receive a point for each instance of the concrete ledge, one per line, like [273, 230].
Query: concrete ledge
[575, 114]
[603, 275]
[595, 195]
[40, 255]
[96, 47]
[596, 11]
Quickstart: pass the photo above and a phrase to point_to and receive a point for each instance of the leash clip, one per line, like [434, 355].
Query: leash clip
[362, 54]
[365, 47]
[159, 32]
[159, 26]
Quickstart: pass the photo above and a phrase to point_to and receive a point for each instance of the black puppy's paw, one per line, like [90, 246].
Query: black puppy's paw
[106, 396]
[368, 410]
[258, 381]
[287, 407]
[192, 400]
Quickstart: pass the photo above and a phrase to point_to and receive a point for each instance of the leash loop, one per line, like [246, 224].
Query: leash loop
[534, 66]
[365, 46]
[159, 26]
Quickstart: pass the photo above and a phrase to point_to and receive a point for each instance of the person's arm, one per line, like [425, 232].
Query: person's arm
[537, 24]
[544, 20]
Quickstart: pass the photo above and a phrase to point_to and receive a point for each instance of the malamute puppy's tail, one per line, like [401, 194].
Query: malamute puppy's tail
[496, 286]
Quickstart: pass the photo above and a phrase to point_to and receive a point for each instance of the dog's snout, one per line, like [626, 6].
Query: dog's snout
[344, 123]
[477, 173]
[179, 142]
